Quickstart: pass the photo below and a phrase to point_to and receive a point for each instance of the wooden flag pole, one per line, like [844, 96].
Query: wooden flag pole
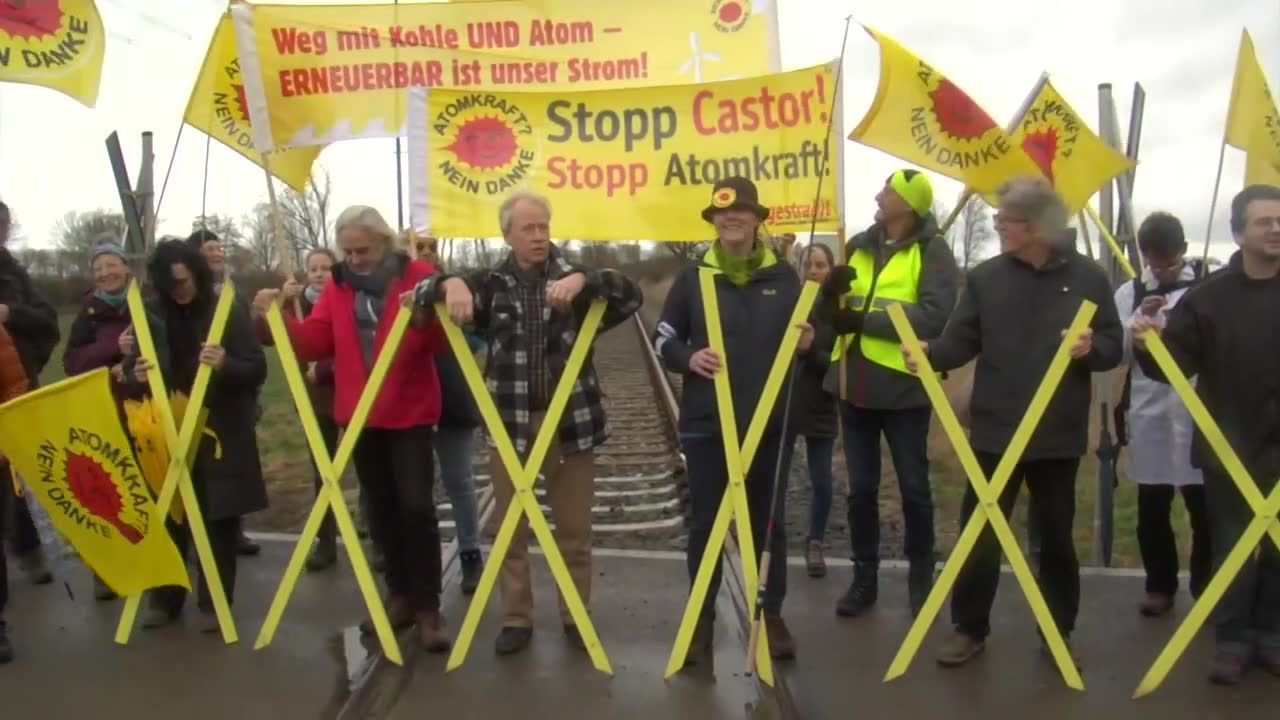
[288, 264]
[1213, 203]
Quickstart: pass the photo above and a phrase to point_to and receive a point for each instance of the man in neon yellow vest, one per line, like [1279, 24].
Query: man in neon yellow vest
[900, 259]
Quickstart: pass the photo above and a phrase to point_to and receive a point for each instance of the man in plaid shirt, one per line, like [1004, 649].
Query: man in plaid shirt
[529, 308]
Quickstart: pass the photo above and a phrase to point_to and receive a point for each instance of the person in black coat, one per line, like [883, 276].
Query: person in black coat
[227, 474]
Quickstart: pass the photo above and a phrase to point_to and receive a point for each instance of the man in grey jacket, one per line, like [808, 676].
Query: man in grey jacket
[900, 259]
[1012, 316]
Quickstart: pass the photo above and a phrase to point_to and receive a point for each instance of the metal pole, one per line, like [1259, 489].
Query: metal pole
[146, 193]
[1213, 204]
[1106, 200]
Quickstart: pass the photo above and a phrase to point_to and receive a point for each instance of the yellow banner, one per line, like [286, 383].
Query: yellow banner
[54, 43]
[1250, 97]
[623, 164]
[218, 108]
[317, 74]
[920, 116]
[66, 442]
[1067, 152]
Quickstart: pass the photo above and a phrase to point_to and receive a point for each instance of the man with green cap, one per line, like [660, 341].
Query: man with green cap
[904, 259]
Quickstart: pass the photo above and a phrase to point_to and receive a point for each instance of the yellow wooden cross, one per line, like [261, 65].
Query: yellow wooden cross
[522, 477]
[738, 458]
[1263, 523]
[331, 469]
[181, 454]
[987, 509]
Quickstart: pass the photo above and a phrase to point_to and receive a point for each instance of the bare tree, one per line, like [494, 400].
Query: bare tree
[974, 227]
[224, 226]
[75, 234]
[305, 216]
[258, 239]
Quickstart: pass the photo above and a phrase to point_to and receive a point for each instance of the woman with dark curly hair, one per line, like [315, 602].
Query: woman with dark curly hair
[227, 473]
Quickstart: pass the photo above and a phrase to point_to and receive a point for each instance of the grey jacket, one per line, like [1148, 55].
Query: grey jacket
[873, 386]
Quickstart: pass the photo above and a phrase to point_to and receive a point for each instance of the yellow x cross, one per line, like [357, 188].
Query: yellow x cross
[181, 454]
[1263, 523]
[734, 507]
[331, 469]
[987, 509]
[522, 478]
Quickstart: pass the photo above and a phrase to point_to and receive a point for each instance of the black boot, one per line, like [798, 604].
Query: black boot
[323, 556]
[472, 566]
[861, 595]
[919, 583]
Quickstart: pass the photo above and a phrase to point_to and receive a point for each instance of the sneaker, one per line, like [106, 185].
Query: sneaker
[431, 633]
[399, 614]
[574, 637]
[959, 649]
[472, 566]
[512, 640]
[814, 562]
[35, 568]
[323, 556]
[782, 646]
[101, 591]
[1155, 604]
[6, 647]
[1227, 668]
[247, 547]
[701, 644]
[1269, 659]
[919, 583]
[861, 595]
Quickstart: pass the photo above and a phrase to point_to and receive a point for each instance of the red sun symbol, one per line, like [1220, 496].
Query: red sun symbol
[730, 13]
[957, 113]
[242, 102]
[1042, 147]
[92, 487]
[484, 143]
[30, 18]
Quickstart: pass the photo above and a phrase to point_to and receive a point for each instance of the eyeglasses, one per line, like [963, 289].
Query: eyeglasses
[1165, 267]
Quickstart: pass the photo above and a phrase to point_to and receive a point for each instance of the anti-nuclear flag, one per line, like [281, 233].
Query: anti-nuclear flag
[318, 74]
[217, 107]
[622, 164]
[1067, 152]
[1251, 98]
[920, 116]
[54, 43]
[1262, 164]
[66, 442]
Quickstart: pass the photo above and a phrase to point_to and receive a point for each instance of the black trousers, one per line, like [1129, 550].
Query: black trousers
[329, 431]
[26, 538]
[1159, 547]
[1052, 485]
[1249, 613]
[4, 563]
[397, 473]
[224, 536]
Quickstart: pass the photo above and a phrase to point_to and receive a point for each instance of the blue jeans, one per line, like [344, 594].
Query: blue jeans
[708, 479]
[908, 434]
[819, 451]
[454, 447]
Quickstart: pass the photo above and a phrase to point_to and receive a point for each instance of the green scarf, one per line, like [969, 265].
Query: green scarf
[739, 269]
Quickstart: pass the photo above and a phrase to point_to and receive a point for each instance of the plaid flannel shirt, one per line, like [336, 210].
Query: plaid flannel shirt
[498, 316]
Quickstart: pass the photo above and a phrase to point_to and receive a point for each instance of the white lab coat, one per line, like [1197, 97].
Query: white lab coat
[1160, 427]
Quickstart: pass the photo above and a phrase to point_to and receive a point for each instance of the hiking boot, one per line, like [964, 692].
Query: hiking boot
[101, 591]
[512, 640]
[861, 595]
[959, 649]
[701, 644]
[781, 645]
[323, 556]
[1269, 659]
[6, 647]
[1155, 604]
[919, 583]
[813, 560]
[247, 547]
[431, 633]
[399, 613]
[573, 636]
[472, 565]
[35, 568]
[1227, 668]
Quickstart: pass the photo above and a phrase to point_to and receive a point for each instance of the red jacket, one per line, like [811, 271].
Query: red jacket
[410, 394]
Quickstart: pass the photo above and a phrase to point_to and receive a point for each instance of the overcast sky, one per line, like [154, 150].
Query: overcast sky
[52, 157]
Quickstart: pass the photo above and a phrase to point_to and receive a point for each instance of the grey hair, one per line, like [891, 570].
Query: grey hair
[1035, 199]
[508, 206]
[367, 218]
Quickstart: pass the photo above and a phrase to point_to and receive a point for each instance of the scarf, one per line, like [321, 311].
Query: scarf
[312, 294]
[115, 299]
[739, 269]
[371, 291]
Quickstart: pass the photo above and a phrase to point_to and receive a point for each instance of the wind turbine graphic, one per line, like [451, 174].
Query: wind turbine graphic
[695, 63]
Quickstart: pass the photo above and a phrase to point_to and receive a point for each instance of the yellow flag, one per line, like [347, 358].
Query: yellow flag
[922, 117]
[1262, 166]
[54, 43]
[1076, 161]
[66, 442]
[1250, 97]
[217, 107]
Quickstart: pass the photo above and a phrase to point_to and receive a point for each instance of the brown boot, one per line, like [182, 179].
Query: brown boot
[399, 613]
[1155, 604]
[814, 562]
[781, 645]
[959, 649]
[431, 631]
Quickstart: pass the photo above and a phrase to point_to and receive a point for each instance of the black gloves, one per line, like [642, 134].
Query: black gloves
[846, 321]
[839, 281]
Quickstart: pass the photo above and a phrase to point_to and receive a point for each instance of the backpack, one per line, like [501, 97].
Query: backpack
[1140, 293]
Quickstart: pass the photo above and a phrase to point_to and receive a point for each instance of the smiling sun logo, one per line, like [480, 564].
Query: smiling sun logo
[958, 115]
[29, 19]
[484, 143]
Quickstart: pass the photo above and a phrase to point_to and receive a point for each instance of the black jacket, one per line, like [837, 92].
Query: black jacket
[753, 319]
[1226, 333]
[33, 322]
[1011, 316]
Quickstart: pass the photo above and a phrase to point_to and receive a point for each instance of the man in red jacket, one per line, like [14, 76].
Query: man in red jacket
[350, 323]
